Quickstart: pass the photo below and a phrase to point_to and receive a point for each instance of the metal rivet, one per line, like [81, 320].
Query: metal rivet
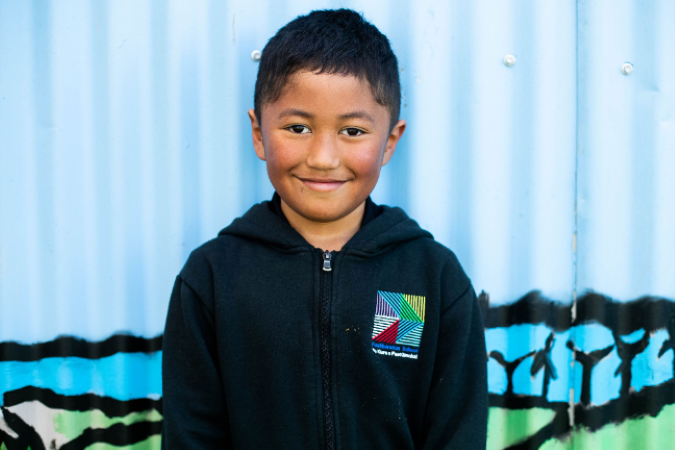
[509, 60]
[627, 68]
[255, 55]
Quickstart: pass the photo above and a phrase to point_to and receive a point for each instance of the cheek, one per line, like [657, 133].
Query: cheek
[367, 160]
[280, 156]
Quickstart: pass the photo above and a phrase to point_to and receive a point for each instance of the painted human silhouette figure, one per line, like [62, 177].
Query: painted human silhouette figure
[628, 352]
[542, 359]
[509, 366]
[669, 344]
[588, 362]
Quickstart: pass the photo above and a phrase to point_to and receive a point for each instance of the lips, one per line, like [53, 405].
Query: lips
[322, 185]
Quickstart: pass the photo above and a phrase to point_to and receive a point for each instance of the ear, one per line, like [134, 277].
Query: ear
[394, 136]
[256, 134]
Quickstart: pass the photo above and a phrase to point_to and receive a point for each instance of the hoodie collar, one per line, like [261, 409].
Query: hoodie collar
[390, 227]
[371, 210]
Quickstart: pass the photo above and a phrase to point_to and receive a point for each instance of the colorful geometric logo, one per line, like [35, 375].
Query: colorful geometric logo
[399, 319]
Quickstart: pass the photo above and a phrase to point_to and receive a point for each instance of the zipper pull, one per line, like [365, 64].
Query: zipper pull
[326, 261]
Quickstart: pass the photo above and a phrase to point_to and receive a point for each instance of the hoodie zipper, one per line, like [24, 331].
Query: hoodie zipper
[326, 274]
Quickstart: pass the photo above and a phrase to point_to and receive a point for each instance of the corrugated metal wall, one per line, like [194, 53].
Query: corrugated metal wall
[124, 144]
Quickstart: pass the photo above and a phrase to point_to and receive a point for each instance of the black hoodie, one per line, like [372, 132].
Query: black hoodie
[271, 343]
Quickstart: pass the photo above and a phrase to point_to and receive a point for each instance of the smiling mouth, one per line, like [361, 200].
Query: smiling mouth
[322, 185]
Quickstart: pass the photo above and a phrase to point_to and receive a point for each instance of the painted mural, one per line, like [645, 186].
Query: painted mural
[124, 145]
[597, 374]
[560, 377]
[71, 394]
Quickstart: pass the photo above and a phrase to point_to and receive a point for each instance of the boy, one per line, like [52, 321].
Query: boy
[319, 319]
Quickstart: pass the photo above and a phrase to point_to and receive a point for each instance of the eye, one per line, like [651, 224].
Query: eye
[298, 129]
[352, 132]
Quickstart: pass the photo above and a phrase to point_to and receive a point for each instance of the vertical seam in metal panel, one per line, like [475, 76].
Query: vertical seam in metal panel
[576, 159]
[573, 310]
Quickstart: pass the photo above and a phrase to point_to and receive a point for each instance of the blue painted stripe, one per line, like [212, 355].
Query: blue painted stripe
[123, 376]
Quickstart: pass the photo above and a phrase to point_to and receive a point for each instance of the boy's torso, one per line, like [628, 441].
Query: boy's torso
[307, 355]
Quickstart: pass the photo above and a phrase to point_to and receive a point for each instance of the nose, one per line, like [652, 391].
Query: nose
[323, 152]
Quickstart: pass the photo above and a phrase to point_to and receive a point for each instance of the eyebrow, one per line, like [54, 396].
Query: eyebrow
[352, 115]
[295, 112]
[357, 115]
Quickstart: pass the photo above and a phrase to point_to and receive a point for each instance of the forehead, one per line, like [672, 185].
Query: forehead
[326, 94]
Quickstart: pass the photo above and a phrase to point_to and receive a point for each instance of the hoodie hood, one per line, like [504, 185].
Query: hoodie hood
[391, 227]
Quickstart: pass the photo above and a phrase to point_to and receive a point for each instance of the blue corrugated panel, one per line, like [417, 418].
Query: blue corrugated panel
[124, 144]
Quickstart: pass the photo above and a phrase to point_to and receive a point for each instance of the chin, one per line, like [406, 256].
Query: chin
[323, 215]
[323, 212]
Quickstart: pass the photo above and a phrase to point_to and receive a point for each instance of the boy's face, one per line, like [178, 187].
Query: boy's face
[324, 141]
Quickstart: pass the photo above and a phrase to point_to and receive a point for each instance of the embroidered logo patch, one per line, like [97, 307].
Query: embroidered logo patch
[399, 322]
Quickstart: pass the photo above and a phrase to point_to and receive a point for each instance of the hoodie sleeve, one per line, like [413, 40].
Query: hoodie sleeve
[456, 415]
[195, 413]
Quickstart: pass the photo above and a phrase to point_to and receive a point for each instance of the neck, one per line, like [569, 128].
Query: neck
[330, 236]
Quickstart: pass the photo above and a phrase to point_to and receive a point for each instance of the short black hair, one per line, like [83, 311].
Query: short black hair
[336, 41]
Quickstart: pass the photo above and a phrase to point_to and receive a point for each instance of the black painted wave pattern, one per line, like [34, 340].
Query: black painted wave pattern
[109, 406]
[648, 313]
[648, 402]
[118, 434]
[67, 346]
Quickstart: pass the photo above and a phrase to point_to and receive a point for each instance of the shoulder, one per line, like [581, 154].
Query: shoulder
[205, 254]
[202, 266]
[215, 247]
[452, 277]
[440, 263]
[418, 248]
[424, 244]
